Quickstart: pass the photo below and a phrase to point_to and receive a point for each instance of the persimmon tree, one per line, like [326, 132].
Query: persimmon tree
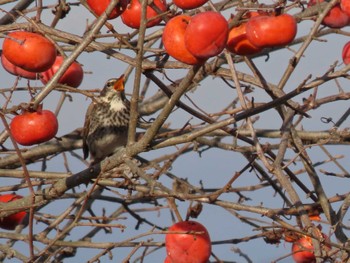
[251, 146]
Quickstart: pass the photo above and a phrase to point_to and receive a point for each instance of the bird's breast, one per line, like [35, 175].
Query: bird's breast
[117, 106]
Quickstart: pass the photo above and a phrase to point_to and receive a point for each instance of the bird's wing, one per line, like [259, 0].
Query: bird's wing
[86, 129]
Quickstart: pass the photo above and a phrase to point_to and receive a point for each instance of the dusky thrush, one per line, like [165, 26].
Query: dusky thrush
[106, 122]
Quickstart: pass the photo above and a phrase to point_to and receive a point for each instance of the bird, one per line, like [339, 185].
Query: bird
[106, 123]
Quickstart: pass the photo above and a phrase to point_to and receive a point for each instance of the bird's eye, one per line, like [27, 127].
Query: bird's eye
[110, 83]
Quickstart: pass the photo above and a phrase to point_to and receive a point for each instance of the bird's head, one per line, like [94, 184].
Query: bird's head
[113, 89]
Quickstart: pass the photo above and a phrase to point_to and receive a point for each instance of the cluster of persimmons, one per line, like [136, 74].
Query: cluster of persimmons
[255, 31]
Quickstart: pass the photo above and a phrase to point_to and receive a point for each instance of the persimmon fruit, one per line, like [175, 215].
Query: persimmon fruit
[303, 249]
[206, 34]
[72, 77]
[132, 14]
[238, 42]
[346, 53]
[271, 31]
[31, 128]
[17, 71]
[10, 222]
[189, 247]
[336, 17]
[100, 6]
[174, 40]
[30, 51]
[189, 4]
[345, 6]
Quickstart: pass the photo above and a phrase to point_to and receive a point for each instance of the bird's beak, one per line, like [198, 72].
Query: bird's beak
[119, 84]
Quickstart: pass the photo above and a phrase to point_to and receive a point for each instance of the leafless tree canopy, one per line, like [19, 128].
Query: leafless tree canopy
[275, 148]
